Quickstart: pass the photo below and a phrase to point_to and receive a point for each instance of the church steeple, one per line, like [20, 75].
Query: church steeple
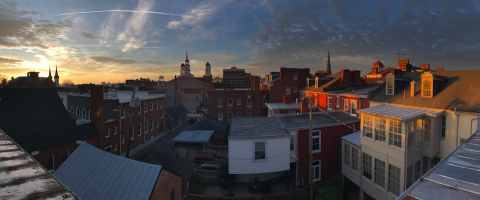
[56, 77]
[49, 74]
[187, 61]
[329, 64]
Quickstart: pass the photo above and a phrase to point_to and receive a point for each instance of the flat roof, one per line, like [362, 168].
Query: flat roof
[22, 177]
[275, 106]
[194, 136]
[353, 138]
[455, 177]
[393, 111]
[94, 174]
[255, 127]
[319, 120]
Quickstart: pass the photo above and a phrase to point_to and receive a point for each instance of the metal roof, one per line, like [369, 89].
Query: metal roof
[353, 138]
[319, 120]
[397, 112]
[22, 177]
[456, 177]
[255, 127]
[94, 174]
[275, 106]
[194, 136]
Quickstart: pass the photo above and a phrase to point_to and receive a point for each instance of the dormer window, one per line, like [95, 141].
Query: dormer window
[390, 85]
[427, 84]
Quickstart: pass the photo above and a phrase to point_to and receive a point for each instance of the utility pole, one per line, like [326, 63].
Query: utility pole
[310, 152]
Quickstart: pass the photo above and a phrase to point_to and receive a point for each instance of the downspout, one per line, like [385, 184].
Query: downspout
[457, 115]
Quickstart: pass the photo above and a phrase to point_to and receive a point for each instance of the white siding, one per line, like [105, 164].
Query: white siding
[241, 156]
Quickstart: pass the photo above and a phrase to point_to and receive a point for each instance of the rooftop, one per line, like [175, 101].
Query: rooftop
[22, 177]
[275, 106]
[319, 120]
[397, 112]
[93, 174]
[253, 127]
[460, 93]
[194, 136]
[456, 177]
[353, 138]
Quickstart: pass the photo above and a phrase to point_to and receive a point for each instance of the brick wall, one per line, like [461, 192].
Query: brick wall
[168, 187]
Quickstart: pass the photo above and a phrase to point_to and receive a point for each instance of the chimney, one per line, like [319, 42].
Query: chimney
[308, 82]
[425, 67]
[316, 81]
[97, 117]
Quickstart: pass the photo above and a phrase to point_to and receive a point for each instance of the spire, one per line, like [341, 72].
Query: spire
[186, 57]
[56, 77]
[329, 64]
[56, 72]
[49, 73]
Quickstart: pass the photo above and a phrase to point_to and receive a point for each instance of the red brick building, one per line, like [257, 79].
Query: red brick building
[347, 92]
[225, 103]
[316, 143]
[289, 86]
[122, 120]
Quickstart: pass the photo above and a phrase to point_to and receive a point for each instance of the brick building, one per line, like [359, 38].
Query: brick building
[121, 119]
[288, 87]
[238, 95]
[347, 92]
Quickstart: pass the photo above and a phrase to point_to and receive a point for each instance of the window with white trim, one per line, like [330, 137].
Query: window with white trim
[395, 133]
[367, 165]
[316, 141]
[354, 158]
[393, 179]
[380, 129]
[367, 126]
[390, 85]
[379, 173]
[330, 103]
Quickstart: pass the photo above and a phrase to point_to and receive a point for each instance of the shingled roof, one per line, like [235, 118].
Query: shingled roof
[461, 93]
[37, 119]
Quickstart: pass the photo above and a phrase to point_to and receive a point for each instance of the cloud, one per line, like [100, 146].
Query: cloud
[19, 30]
[133, 35]
[89, 35]
[193, 17]
[110, 60]
[9, 61]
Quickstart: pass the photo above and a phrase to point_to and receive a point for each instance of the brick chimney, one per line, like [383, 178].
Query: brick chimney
[425, 67]
[97, 117]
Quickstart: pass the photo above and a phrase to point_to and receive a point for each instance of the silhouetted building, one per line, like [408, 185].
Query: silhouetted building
[287, 89]
[32, 80]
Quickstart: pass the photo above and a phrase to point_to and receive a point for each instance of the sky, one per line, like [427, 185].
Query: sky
[113, 40]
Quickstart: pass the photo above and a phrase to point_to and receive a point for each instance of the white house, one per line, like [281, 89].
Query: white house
[257, 147]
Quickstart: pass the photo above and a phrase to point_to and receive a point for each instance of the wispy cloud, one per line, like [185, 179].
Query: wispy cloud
[133, 33]
[110, 60]
[137, 11]
[4, 60]
[193, 17]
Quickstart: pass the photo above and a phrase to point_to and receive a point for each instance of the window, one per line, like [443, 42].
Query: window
[220, 116]
[151, 106]
[353, 106]
[354, 158]
[380, 129]
[288, 91]
[427, 88]
[330, 103]
[367, 165]
[219, 103]
[239, 102]
[172, 195]
[230, 102]
[316, 141]
[292, 143]
[338, 102]
[145, 126]
[145, 107]
[390, 85]
[249, 99]
[132, 133]
[139, 130]
[444, 126]
[425, 161]
[380, 173]
[259, 150]
[346, 154]
[394, 134]
[367, 126]
[316, 169]
[107, 134]
[393, 179]
[115, 130]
